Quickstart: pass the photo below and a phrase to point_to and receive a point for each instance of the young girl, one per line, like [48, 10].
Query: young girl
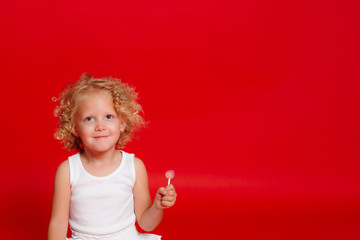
[101, 191]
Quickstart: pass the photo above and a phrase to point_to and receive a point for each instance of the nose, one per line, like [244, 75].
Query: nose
[99, 126]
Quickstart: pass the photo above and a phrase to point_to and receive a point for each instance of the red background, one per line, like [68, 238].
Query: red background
[254, 104]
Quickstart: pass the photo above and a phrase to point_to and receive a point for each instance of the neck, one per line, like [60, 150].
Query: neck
[95, 157]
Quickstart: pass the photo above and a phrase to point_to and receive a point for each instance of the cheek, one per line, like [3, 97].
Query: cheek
[83, 130]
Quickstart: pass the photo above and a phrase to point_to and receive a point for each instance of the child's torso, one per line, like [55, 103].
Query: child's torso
[102, 205]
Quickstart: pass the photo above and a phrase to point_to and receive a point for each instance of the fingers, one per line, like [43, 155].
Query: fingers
[166, 196]
[170, 187]
[162, 191]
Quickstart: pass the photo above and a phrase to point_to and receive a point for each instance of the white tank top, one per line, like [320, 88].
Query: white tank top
[102, 205]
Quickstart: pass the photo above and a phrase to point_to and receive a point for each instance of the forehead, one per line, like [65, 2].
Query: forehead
[94, 92]
[94, 98]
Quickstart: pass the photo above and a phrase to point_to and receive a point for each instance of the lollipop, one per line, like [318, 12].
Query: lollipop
[169, 175]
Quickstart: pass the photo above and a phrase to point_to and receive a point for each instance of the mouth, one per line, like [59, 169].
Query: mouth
[100, 137]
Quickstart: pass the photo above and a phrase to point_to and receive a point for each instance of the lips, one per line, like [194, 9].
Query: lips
[100, 137]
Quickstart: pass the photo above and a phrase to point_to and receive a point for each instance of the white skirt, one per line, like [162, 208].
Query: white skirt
[129, 233]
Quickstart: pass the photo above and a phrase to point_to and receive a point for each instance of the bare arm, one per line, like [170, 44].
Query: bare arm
[61, 203]
[150, 215]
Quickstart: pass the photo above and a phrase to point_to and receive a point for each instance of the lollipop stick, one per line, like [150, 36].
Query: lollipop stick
[169, 182]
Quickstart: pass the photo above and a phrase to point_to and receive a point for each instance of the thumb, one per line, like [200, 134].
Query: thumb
[161, 192]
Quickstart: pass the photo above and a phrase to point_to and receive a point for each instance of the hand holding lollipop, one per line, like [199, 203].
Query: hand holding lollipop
[166, 196]
[169, 175]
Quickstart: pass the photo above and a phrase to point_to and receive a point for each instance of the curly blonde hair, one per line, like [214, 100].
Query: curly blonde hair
[125, 104]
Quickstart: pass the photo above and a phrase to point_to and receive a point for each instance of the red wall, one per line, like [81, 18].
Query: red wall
[254, 104]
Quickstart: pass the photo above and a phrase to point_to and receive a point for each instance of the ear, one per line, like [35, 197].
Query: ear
[122, 125]
[75, 132]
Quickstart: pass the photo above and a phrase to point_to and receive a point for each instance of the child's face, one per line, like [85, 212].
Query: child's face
[96, 121]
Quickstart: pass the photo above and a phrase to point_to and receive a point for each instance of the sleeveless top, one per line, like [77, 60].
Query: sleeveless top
[102, 206]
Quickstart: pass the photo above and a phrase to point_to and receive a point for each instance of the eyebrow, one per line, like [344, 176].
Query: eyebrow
[87, 114]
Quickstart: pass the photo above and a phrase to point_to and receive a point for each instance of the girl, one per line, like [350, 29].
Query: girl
[101, 191]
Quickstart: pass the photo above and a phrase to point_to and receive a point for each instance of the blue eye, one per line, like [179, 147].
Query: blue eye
[109, 117]
[88, 119]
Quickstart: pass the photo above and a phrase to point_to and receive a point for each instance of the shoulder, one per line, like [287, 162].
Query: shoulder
[138, 163]
[140, 169]
[63, 172]
[63, 166]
